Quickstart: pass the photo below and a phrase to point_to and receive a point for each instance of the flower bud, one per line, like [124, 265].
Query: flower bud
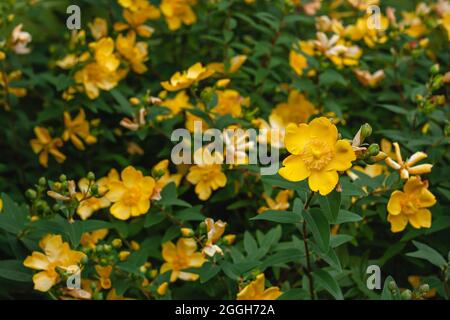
[31, 194]
[437, 82]
[162, 289]
[117, 243]
[424, 288]
[406, 295]
[42, 181]
[202, 228]
[373, 149]
[63, 178]
[435, 69]
[107, 248]
[123, 255]
[90, 176]
[366, 131]
[392, 285]
[229, 239]
[187, 232]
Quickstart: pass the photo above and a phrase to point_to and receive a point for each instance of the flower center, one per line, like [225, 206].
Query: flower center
[409, 207]
[316, 155]
[132, 196]
[180, 263]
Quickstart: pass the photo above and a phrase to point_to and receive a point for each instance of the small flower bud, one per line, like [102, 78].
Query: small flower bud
[94, 189]
[435, 69]
[42, 181]
[117, 243]
[366, 131]
[63, 178]
[31, 194]
[424, 288]
[90, 176]
[406, 295]
[373, 149]
[162, 289]
[84, 260]
[392, 285]
[202, 228]
[437, 82]
[123, 255]
[152, 273]
[187, 232]
[229, 239]
[99, 248]
[107, 248]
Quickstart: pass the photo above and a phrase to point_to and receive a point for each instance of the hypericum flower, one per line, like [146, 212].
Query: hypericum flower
[182, 256]
[88, 202]
[90, 239]
[323, 44]
[255, 290]
[344, 55]
[207, 175]
[137, 122]
[130, 195]
[185, 79]
[176, 104]
[45, 144]
[410, 205]
[104, 274]
[177, 12]
[7, 82]
[271, 132]
[77, 129]
[297, 109]
[58, 255]
[367, 79]
[71, 60]
[136, 53]
[407, 168]
[214, 231]
[136, 14]
[104, 54]
[20, 39]
[416, 281]
[316, 154]
[281, 201]
[370, 34]
[237, 143]
[99, 28]
[298, 62]
[412, 24]
[229, 102]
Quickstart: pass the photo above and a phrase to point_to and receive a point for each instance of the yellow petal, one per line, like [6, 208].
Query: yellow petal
[37, 261]
[398, 222]
[344, 155]
[43, 281]
[394, 206]
[296, 137]
[169, 251]
[131, 177]
[294, 169]
[186, 246]
[271, 293]
[120, 211]
[422, 218]
[323, 130]
[323, 181]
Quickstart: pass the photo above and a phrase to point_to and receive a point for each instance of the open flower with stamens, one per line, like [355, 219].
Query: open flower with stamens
[256, 290]
[316, 154]
[408, 167]
[214, 233]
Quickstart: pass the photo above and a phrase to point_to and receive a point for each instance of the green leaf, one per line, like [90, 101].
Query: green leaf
[278, 216]
[14, 270]
[278, 181]
[329, 283]
[330, 205]
[122, 101]
[318, 224]
[208, 271]
[13, 217]
[294, 294]
[190, 214]
[331, 77]
[170, 234]
[250, 244]
[282, 257]
[386, 294]
[429, 254]
[347, 216]
[152, 219]
[169, 197]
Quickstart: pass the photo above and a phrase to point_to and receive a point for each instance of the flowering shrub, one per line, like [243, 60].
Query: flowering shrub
[346, 99]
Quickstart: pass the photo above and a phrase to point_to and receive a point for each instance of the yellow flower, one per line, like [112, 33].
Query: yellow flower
[179, 257]
[406, 168]
[104, 274]
[371, 36]
[2, 55]
[271, 132]
[136, 53]
[88, 203]
[6, 81]
[136, 14]
[235, 64]
[176, 104]
[281, 201]
[410, 205]
[367, 79]
[214, 231]
[45, 144]
[316, 154]
[298, 62]
[413, 25]
[229, 102]
[416, 281]
[57, 255]
[162, 289]
[104, 54]
[99, 28]
[446, 23]
[255, 290]
[131, 195]
[297, 109]
[76, 129]
[177, 12]
[185, 79]
[1, 204]
[90, 239]
[207, 175]
[342, 55]
[165, 177]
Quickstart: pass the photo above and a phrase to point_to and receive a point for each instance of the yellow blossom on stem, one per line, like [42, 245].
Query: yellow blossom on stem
[207, 175]
[316, 154]
[181, 256]
[297, 109]
[88, 202]
[214, 231]
[57, 255]
[99, 28]
[182, 80]
[77, 130]
[298, 62]
[281, 201]
[408, 167]
[178, 12]
[410, 205]
[44, 145]
[367, 79]
[175, 104]
[90, 239]
[255, 290]
[104, 274]
[136, 53]
[136, 13]
[164, 175]
[130, 195]
[229, 102]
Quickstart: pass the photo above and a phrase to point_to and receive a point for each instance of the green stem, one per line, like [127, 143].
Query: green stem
[307, 253]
